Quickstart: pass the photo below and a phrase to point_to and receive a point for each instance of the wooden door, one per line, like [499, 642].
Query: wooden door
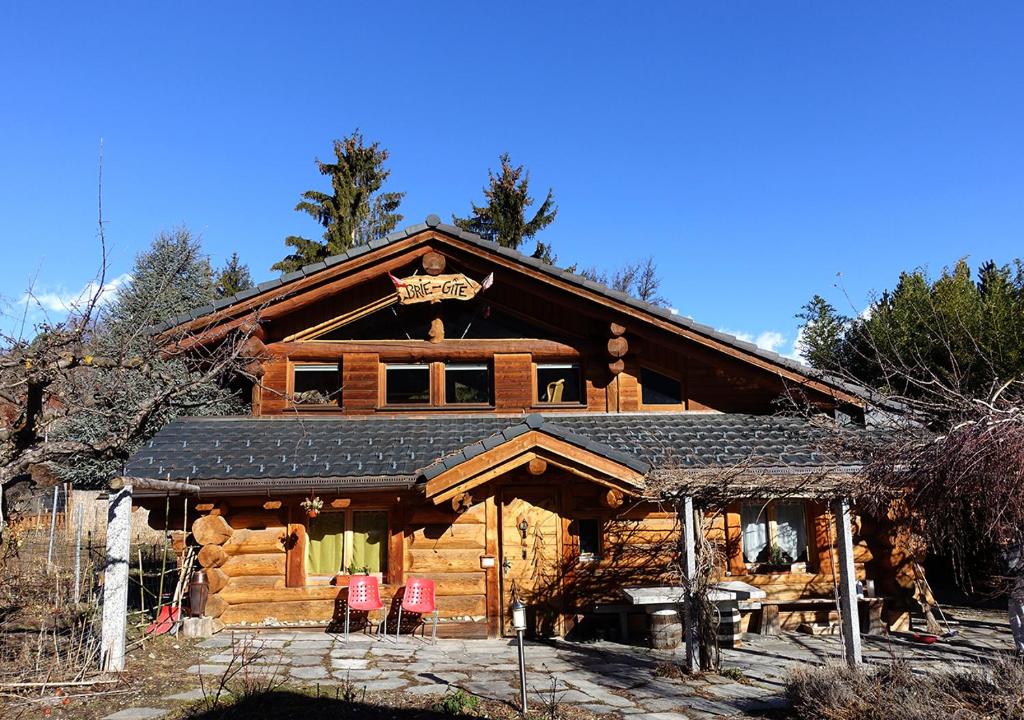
[530, 557]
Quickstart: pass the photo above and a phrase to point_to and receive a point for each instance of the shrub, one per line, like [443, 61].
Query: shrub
[458, 702]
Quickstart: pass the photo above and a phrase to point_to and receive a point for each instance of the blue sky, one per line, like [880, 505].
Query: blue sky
[754, 149]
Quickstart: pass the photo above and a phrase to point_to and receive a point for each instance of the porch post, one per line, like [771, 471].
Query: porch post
[689, 611]
[115, 578]
[847, 583]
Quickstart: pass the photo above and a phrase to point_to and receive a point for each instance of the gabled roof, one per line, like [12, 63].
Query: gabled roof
[433, 222]
[258, 454]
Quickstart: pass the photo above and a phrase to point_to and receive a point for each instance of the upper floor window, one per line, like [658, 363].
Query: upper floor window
[316, 385]
[407, 384]
[467, 384]
[559, 383]
[659, 389]
[774, 533]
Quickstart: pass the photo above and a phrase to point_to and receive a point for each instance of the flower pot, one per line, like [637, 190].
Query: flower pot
[341, 580]
[311, 513]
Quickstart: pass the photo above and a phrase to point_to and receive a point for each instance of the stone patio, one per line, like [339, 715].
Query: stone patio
[602, 676]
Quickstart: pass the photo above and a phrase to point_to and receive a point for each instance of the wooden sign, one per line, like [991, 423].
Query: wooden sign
[434, 288]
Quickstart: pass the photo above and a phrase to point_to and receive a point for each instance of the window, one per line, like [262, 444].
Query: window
[354, 541]
[658, 389]
[589, 530]
[407, 384]
[775, 533]
[316, 385]
[467, 384]
[558, 383]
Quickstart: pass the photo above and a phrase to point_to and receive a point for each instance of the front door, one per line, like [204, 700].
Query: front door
[531, 534]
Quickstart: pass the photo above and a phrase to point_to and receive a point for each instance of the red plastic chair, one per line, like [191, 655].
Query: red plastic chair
[364, 596]
[418, 598]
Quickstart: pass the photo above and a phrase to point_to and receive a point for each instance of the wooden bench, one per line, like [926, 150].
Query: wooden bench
[869, 611]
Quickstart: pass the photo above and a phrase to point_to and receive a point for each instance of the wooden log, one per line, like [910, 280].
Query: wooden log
[612, 499]
[618, 347]
[537, 466]
[216, 579]
[448, 537]
[616, 366]
[462, 502]
[211, 556]
[256, 542]
[313, 611]
[272, 505]
[216, 605]
[440, 561]
[257, 519]
[211, 530]
[434, 263]
[256, 564]
[237, 595]
[616, 329]
[253, 347]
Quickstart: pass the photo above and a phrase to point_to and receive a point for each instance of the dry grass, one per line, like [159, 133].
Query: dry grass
[895, 692]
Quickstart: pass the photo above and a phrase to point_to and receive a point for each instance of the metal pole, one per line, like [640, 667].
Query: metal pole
[522, 674]
[53, 527]
[79, 521]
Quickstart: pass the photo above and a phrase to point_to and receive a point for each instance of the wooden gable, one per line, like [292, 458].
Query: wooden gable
[349, 314]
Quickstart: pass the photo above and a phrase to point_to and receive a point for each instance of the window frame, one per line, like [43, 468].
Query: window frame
[681, 405]
[347, 543]
[535, 379]
[485, 365]
[296, 367]
[431, 392]
[769, 513]
[577, 535]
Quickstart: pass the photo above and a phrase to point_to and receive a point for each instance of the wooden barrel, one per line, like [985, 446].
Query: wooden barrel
[666, 630]
[729, 635]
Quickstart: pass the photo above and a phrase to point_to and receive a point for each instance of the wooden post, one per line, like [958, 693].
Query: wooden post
[115, 578]
[847, 583]
[689, 611]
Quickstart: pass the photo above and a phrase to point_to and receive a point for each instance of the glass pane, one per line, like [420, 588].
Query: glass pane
[660, 389]
[316, 384]
[325, 544]
[791, 531]
[370, 541]
[754, 521]
[467, 384]
[590, 537]
[558, 383]
[407, 384]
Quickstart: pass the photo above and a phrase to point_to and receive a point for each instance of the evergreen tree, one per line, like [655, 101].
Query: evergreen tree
[954, 335]
[354, 212]
[233, 277]
[503, 218]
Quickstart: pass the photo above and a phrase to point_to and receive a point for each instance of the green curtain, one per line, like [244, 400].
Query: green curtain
[370, 541]
[325, 548]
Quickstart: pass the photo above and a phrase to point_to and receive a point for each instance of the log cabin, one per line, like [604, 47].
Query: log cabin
[433, 405]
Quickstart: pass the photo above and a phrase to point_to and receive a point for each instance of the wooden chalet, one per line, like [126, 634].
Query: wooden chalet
[470, 415]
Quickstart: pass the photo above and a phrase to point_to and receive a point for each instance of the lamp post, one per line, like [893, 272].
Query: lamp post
[519, 625]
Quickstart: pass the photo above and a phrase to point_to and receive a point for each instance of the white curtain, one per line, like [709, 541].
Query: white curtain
[754, 519]
[791, 529]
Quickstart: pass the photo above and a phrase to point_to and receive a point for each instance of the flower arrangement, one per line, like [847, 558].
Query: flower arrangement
[312, 506]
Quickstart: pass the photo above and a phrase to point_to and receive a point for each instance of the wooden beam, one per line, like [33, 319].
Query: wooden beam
[847, 584]
[153, 484]
[537, 466]
[416, 350]
[691, 629]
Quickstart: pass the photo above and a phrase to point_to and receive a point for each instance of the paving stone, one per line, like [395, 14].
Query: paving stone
[599, 709]
[490, 690]
[431, 689]
[189, 695]
[315, 672]
[217, 641]
[207, 669]
[307, 660]
[385, 684]
[357, 675]
[349, 663]
[142, 713]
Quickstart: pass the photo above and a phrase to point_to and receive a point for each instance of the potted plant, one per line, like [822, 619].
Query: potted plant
[777, 561]
[342, 579]
[312, 506]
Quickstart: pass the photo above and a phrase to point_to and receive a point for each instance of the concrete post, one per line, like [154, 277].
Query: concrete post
[847, 583]
[690, 615]
[115, 579]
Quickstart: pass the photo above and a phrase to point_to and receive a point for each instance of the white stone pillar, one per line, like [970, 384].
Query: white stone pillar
[847, 583]
[115, 578]
[690, 614]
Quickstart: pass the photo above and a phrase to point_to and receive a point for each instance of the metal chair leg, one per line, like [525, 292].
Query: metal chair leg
[346, 622]
[398, 628]
[433, 635]
[384, 623]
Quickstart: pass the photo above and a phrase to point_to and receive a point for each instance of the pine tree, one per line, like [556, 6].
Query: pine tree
[503, 218]
[233, 278]
[821, 333]
[354, 212]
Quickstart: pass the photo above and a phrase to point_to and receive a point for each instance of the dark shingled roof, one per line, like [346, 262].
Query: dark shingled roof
[399, 451]
[433, 221]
